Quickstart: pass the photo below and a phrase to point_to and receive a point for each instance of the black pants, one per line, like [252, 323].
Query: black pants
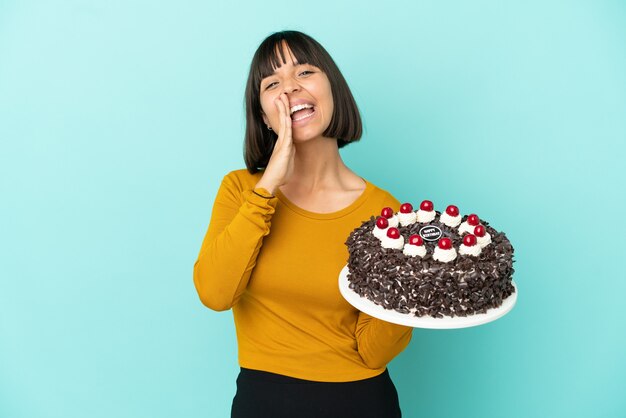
[262, 394]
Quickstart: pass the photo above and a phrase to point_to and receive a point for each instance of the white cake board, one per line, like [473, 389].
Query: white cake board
[410, 320]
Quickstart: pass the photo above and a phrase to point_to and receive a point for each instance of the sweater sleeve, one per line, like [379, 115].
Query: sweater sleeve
[378, 341]
[239, 221]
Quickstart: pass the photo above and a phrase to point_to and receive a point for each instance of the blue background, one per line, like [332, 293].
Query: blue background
[118, 120]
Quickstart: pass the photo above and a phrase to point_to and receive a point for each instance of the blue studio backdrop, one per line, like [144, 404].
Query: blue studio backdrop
[118, 121]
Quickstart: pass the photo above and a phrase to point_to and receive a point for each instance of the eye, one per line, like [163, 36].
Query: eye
[302, 72]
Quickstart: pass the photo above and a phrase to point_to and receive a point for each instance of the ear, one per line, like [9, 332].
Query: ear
[265, 119]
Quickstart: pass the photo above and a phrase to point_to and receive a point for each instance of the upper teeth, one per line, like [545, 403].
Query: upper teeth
[300, 107]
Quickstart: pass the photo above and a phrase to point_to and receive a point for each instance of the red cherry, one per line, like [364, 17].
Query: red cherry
[393, 233]
[415, 240]
[452, 210]
[387, 212]
[381, 222]
[473, 219]
[480, 231]
[406, 208]
[469, 240]
[445, 243]
[426, 205]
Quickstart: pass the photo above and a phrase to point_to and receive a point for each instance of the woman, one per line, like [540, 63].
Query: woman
[275, 246]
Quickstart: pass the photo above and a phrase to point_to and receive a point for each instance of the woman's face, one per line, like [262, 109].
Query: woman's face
[302, 84]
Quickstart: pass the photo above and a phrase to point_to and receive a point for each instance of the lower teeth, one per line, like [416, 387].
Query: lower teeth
[304, 117]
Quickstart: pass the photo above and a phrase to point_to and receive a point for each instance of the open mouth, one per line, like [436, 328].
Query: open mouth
[302, 112]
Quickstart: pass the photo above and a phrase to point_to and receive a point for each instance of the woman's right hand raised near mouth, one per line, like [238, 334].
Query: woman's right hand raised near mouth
[280, 166]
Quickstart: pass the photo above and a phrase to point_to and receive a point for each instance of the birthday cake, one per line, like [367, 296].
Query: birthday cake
[427, 262]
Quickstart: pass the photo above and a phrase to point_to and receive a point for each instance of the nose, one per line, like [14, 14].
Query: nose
[290, 85]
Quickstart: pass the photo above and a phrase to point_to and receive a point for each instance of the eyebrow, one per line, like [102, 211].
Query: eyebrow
[295, 64]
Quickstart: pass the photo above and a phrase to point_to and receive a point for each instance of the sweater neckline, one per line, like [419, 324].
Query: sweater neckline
[369, 187]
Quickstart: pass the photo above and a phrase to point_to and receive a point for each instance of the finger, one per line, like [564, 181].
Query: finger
[281, 119]
[287, 117]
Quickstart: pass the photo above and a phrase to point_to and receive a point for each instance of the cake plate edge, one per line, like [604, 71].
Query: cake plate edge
[410, 320]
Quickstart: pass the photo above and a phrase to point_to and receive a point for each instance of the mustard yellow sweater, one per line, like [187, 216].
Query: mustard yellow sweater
[277, 266]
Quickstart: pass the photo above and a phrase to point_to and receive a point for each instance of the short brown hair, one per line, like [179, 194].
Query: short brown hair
[345, 123]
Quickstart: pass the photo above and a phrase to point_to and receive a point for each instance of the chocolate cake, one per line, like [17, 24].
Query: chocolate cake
[430, 263]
